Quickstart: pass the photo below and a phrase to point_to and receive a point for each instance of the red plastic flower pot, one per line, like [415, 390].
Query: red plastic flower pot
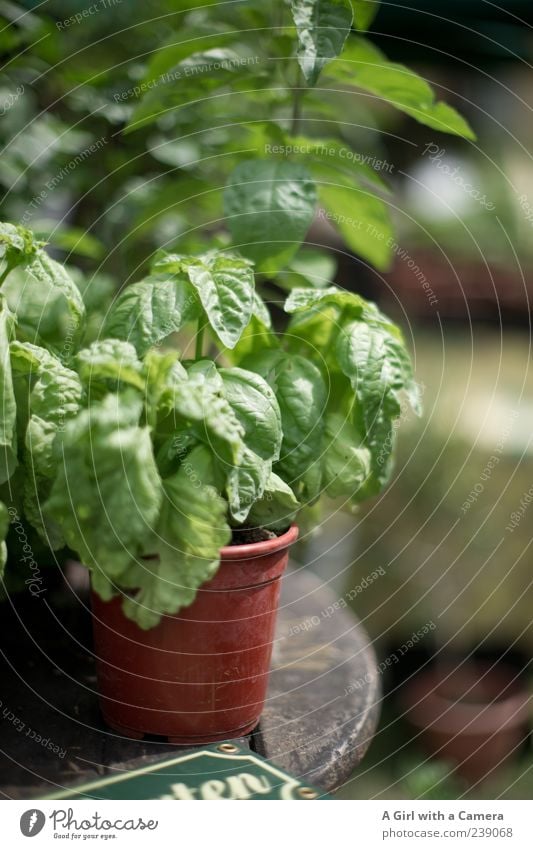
[201, 675]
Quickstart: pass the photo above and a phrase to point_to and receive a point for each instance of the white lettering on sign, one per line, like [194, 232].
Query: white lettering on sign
[241, 786]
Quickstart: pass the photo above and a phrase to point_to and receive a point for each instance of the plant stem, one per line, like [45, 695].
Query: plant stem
[4, 274]
[199, 341]
[297, 104]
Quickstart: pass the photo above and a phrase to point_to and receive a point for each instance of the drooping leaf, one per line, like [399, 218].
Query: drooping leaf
[277, 508]
[269, 207]
[185, 547]
[54, 397]
[322, 26]
[346, 461]
[8, 409]
[145, 313]
[364, 65]
[302, 396]
[107, 493]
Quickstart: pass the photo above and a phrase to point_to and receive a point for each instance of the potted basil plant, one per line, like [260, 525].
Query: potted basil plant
[178, 481]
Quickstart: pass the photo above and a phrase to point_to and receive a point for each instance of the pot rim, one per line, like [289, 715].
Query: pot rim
[260, 549]
[428, 707]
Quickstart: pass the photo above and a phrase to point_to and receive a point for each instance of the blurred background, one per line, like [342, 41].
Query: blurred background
[452, 533]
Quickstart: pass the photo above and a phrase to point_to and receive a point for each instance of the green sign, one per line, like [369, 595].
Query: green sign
[224, 771]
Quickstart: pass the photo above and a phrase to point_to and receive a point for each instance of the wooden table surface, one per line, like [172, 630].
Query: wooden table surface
[321, 712]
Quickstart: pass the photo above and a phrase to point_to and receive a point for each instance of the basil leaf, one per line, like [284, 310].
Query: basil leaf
[257, 336]
[257, 410]
[145, 313]
[361, 218]
[277, 507]
[107, 492]
[48, 305]
[203, 71]
[109, 364]
[363, 353]
[302, 396]
[201, 402]
[225, 287]
[269, 207]
[163, 373]
[306, 299]
[55, 396]
[17, 245]
[365, 66]
[8, 411]
[339, 156]
[190, 531]
[246, 483]
[346, 462]
[322, 26]
[364, 12]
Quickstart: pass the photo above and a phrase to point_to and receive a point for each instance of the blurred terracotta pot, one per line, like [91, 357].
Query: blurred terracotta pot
[472, 714]
[201, 675]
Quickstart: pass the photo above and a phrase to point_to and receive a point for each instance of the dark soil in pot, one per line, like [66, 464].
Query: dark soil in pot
[473, 714]
[201, 675]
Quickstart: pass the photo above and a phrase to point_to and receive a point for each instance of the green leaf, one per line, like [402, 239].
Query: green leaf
[366, 67]
[188, 81]
[48, 305]
[54, 396]
[201, 402]
[256, 337]
[308, 268]
[109, 364]
[162, 373]
[346, 462]
[191, 530]
[305, 299]
[322, 26]
[277, 508]
[225, 287]
[364, 355]
[257, 410]
[302, 396]
[362, 219]
[145, 313]
[17, 245]
[107, 493]
[269, 207]
[246, 483]
[8, 410]
[337, 155]
[364, 12]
